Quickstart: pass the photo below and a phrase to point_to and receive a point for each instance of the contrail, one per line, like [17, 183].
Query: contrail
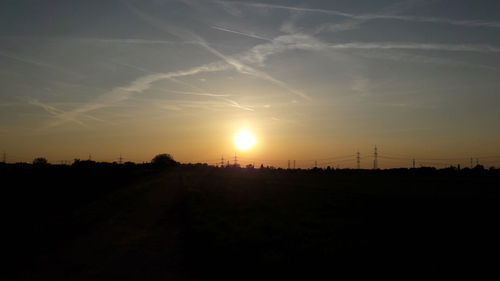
[37, 63]
[419, 46]
[251, 35]
[54, 111]
[291, 8]
[139, 85]
[192, 37]
[244, 69]
[469, 23]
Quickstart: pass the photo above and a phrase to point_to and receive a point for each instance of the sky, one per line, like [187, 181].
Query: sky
[312, 80]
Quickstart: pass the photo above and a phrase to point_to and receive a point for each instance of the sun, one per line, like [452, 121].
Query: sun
[244, 140]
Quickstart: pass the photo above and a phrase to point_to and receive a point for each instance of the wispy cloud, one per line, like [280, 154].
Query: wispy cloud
[222, 97]
[242, 62]
[126, 41]
[422, 59]
[132, 66]
[204, 94]
[139, 85]
[59, 113]
[368, 17]
[247, 34]
[419, 46]
[36, 62]
[230, 60]
[260, 53]
[54, 111]
[245, 69]
[97, 40]
[290, 8]
[211, 104]
[469, 23]
[238, 105]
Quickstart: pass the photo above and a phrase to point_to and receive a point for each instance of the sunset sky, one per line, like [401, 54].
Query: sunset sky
[309, 79]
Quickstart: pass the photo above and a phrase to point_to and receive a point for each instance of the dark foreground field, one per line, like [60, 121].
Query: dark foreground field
[137, 222]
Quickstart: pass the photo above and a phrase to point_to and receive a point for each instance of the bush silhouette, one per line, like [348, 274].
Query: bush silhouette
[164, 160]
[40, 161]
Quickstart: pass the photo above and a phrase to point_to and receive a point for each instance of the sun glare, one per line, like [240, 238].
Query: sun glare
[244, 140]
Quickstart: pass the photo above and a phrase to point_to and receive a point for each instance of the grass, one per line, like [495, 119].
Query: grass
[204, 223]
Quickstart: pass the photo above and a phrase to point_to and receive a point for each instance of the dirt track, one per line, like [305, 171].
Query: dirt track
[133, 234]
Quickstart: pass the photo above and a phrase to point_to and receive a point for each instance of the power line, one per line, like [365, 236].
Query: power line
[435, 163]
[330, 158]
[338, 161]
[375, 158]
[358, 160]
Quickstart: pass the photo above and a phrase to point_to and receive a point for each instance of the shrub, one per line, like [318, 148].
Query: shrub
[164, 160]
[40, 161]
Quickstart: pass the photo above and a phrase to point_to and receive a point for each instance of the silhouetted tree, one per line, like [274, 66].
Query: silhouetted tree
[40, 161]
[83, 163]
[164, 160]
[479, 167]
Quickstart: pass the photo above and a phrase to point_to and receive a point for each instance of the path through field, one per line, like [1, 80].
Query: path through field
[132, 234]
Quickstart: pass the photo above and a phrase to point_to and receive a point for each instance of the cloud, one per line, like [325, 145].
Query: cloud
[469, 23]
[245, 69]
[36, 62]
[213, 105]
[189, 36]
[133, 41]
[260, 53]
[231, 9]
[53, 111]
[257, 55]
[139, 85]
[247, 34]
[237, 105]
[290, 8]
[419, 46]
[205, 94]
[171, 107]
[368, 17]
[414, 58]
[222, 97]
[241, 62]
[336, 27]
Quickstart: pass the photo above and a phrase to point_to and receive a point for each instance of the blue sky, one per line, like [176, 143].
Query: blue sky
[311, 79]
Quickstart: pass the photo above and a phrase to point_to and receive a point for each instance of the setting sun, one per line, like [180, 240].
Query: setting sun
[244, 140]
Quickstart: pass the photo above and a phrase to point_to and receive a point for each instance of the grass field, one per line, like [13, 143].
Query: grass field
[205, 223]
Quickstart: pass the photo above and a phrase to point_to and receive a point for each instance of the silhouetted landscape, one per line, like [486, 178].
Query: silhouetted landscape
[249, 140]
[170, 221]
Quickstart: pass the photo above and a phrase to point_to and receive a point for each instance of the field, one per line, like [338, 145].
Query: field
[194, 222]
